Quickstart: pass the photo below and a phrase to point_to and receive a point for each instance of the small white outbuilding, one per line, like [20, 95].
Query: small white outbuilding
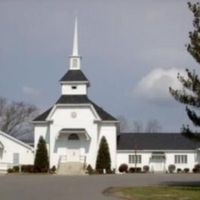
[14, 152]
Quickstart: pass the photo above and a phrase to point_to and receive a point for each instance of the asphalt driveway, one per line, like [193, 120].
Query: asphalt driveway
[53, 187]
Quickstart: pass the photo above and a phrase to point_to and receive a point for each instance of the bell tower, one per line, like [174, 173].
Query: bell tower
[74, 82]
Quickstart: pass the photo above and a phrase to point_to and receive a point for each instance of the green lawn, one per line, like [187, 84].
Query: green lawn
[158, 193]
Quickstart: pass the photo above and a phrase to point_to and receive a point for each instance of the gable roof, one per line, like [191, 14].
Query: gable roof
[74, 76]
[16, 140]
[43, 116]
[78, 99]
[155, 141]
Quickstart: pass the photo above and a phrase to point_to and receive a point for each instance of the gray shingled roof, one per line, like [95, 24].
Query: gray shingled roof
[155, 141]
[43, 116]
[73, 76]
[77, 99]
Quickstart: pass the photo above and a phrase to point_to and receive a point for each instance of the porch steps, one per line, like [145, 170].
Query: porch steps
[71, 168]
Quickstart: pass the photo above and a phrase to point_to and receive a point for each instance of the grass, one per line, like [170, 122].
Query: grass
[157, 193]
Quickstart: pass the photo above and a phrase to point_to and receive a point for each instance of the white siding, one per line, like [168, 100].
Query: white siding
[13, 147]
[122, 157]
[41, 130]
[69, 89]
[63, 118]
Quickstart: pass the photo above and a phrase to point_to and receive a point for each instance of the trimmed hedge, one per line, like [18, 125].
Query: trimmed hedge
[146, 168]
[135, 170]
[196, 168]
[171, 168]
[186, 170]
[123, 168]
[27, 168]
[179, 170]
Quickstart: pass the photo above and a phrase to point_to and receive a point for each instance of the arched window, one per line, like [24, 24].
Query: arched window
[73, 137]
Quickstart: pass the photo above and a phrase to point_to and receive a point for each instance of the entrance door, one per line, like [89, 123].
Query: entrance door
[73, 150]
[157, 162]
[73, 155]
[157, 165]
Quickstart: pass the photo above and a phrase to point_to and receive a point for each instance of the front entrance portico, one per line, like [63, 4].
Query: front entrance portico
[157, 162]
[71, 145]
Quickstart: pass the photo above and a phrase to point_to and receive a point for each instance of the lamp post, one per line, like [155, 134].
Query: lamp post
[135, 153]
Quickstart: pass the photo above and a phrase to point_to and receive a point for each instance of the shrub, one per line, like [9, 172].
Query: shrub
[16, 169]
[103, 157]
[10, 170]
[146, 168]
[89, 169]
[27, 168]
[171, 168]
[139, 169]
[196, 168]
[123, 168]
[186, 170]
[112, 171]
[41, 163]
[135, 170]
[179, 170]
[53, 169]
[132, 170]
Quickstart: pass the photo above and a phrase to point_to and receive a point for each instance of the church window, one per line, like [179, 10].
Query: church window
[135, 158]
[16, 158]
[179, 159]
[73, 137]
[75, 62]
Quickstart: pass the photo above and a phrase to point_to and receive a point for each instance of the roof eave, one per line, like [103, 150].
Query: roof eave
[154, 150]
[107, 121]
[74, 82]
[42, 122]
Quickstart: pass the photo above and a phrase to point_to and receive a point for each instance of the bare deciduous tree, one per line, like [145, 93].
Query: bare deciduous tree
[15, 117]
[123, 125]
[153, 126]
[137, 127]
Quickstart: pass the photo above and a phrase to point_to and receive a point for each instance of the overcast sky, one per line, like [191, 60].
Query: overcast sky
[132, 52]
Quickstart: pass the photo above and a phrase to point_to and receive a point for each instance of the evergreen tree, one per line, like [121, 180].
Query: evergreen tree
[190, 94]
[41, 163]
[103, 157]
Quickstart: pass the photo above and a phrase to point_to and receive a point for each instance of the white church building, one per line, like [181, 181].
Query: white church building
[14, 152]
[74, 125]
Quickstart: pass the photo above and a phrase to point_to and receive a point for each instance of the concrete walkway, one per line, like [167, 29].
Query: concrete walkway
[53, 187]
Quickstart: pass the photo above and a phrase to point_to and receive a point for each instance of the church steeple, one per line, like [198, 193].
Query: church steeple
[74, 82]
[75, 58]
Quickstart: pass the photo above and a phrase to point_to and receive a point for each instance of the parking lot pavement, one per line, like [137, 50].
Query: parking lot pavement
[53, 187]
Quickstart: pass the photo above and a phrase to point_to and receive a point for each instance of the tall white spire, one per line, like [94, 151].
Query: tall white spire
[75, 43]
[75, 59]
